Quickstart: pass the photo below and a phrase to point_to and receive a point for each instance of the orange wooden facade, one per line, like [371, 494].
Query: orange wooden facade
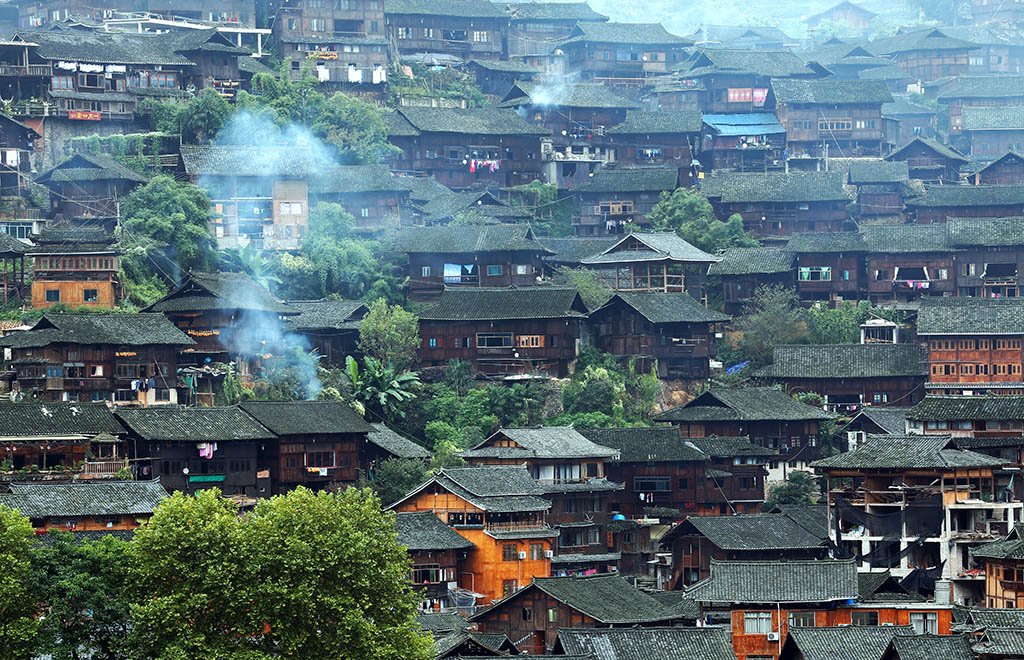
[1004, 583]
[978, 359]
[89, 523]
[533, 619]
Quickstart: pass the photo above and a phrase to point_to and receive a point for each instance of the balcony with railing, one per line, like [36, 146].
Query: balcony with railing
[103, 469]
[30, 70]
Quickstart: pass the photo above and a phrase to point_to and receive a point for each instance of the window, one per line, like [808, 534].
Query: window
[552, 615]
[433, 342]
[425, 271]
[536, 551]
[522, 269]
[881, 275]
[494, 340]
[428, 33]
[405, 33]
[880, 397]
[508, 552]
[803, 619]
[684, 483]
[95, 370]
[364, 213]
[455, 518]
[318, 25]
[757, 623]
[942, 273]
[530, 341]
[527, 614]
[834, 124]
[53, 295]
[481, 36]
[815, 273]
[508, 587]
[494, 270]
[652, 484]
[967, 269]
[323, 459]
[865, 618]
[747, 483]
[163, 395]
[62, 82]
[925, 623]
[90, 295]
[292, 461]
[290, 208]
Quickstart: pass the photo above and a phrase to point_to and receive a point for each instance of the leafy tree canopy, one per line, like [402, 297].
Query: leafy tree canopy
[774, 317]
[799, 488]
[18, 602]
[390, 334]
[689, 214]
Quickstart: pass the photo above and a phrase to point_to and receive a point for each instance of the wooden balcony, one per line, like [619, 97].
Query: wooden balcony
[103, 469]
[30, 70]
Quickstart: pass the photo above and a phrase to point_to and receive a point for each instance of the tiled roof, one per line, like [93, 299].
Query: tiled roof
[499, 489]
[815, 361]
[845, 4]
[725, 447]
[224, 291]
[932, 647]
[867, 172]
[84, 536]
[88, 167]
[983, 118]
[626, 33]
[887, 72]
[894, 452]
[664, 246]
[756, 123]
[398, 126]
[554, 11]
[884, 588]
[724, 34]
[326, 314]
[306, 417]
[926, 39]
[506, 66]
[453, 239]
[756, 531]
[422, 530]
[732, 187]
[956, 195]
[28, 420]
[446, 206]
[743, 403]
[456, 8]
[968, 408]
[482, 304]
[830, 91]
[86, 498]
[574, 250]
[1010, 546]
[678, 601]
[659, 307]
[541, 442]
[812, 517]
[105, 47]
[778, 582]
[632, 179]
[193, 424]
[986, 35]
[964, 315]
[570, 95]
[470, 121]
[753, 261]
[986, 232]
[641, 122]
[766, 63]
[608, 599]
[395, 444]
[100, 328]
[826, 242]
[892, 419]
[994, 86]
[906, 239]
[648, 643]
[342, 179]
[458, 642]
[901, 107]
[232, 160]
[844, 642]
[930, 144]
[437, 622]
[1001, 642]
[646, 444]
[996, 617]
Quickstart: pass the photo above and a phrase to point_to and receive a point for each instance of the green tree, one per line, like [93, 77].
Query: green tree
[773, 318]
[18, 602]
[689, 214]
[251, 261]
[356, 128]
[380, 388]
[799, 488]
[458, 375]
[83, 586]
[390, 334]
[395, 477]
[281, 98]
[203, 116]
[593, 293]
[840, 325]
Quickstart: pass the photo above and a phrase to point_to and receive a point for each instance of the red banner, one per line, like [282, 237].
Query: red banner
[90, 115]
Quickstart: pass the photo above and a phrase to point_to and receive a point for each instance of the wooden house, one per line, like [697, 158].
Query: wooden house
[330, 326]
[735, 476]
[1008, 169]
[346, 42]
[570, 470]
[671, 331]
[534, 614]
[505, 332]
[658, 138]
[77, 267]
[615, 198]
[65, 434]
[259, 195]
[461, 147]
[903, 120]
[830, 116]
[954, 647]
[465, 643]
[127, 359]
[570, 252]
[744, 270]
[875, 420]
[1002, 559]
[844, 59]
[652, 262]
[89, 186]
[698, 540]
[460, 28]
[930, 160]
[849, 376]
[578, 117]
[985, 13]
[383, 443]
[49, 12]
[927, 54]
[534, 26]
[908, 262]
[750, 37]
[501, 511]
[622, 54]
[189, 449]
[829, 266]
[375, 198]
[993, 91]
[436, 552]
[738, 80]
[989, 425]
[227, 315]
[990, 132]
[770, 417]
[880, 187]
[469, 256]
[745, 142]
[851, 16]
[17, 140]
[987, 258]
[317, 442]
[469, 207]
[496, 77]
[997, 49]
[939, 203]
[85, 506]
[776, 204]
[813, 643]
[974, 344]
[950, 502]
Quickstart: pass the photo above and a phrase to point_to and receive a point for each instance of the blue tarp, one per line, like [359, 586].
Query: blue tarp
[755, 123]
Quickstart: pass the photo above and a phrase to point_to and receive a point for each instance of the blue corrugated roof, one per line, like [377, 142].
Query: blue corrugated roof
[756, 123]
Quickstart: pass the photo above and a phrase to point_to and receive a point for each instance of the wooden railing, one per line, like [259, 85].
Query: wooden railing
[103, 468]
[30, 70]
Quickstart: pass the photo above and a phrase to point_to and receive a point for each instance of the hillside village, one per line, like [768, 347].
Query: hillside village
[409, 329]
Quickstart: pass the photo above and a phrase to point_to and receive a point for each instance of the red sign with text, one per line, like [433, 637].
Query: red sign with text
[90, 115]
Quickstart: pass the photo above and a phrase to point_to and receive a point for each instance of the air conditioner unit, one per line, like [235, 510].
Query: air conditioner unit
[888, 624]
[773, 637]
[522, 554]
[548, 554]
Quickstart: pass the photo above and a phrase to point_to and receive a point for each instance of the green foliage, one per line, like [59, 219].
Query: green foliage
[390, 334]
[837, 326]
[593, 293]
[380, 388]
[431, 82]
[773, 317]
[250, 261]
[18, 603]
[395, 477]
[458, 375]
[799, 488]
[356, 128]
[203, 117]
[282, 99]
[232, 387]
[621, 395]
[551, 215]
[689, 214]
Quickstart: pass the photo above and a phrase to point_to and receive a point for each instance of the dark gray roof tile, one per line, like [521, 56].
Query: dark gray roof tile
[830, 91]
[845, 642]
[659, 307]
[172, 424]
[937, 452]
[964, 315]
[646, 444]
[817, 361]
[968, 408]
[86, 498]
[306, 417]
[422, 530]
[732, 187]
[743, 403]
[395, 444]
[483, 304]
[753, 261]
[778, 582]
[648, 643]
